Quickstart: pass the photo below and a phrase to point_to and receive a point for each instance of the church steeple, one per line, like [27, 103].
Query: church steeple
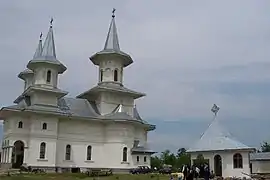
[27, 75]
[39, 47]
[48, 54]
[112, 42]
[111, 60]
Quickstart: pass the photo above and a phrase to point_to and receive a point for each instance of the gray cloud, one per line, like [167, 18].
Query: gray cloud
[188, 54]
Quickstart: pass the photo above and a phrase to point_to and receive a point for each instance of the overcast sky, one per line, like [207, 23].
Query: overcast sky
[187, 55]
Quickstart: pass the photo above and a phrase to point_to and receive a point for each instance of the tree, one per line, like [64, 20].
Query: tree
[156, 162]
[265, 147]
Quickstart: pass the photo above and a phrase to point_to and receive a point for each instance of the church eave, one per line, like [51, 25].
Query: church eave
[26, 73]
[40, 62]
[62, 114]
[58, 92]
[98, 89]
[249, 149]
[127, 60]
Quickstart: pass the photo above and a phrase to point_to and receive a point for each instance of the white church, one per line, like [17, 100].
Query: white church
[100, 128]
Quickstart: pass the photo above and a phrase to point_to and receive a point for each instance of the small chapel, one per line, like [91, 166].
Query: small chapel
[225, 156]
[99, 128]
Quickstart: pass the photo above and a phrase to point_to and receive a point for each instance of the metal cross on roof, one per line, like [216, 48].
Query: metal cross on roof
[113, 11]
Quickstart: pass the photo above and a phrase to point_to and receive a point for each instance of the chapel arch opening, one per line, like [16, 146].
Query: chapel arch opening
[17, 154]
[218, 165]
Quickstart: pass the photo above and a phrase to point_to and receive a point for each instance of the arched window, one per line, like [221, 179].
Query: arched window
[68, 152]
[44, 126]
[42, 150]
[49, 76]
[138, 158]
[125, 154]
[237, 161]
[20, 125]
[144, 159]
[115, 75]
[101, 75]
[89, 153]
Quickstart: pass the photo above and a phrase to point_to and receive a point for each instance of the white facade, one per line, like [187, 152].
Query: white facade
[107, 142]
[228, 169]
[101, 128]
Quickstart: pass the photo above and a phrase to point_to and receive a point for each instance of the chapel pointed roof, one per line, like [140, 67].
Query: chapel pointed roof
[36, 55]
[112, 42]
[48, 53]
[217, 138]
[112, 46]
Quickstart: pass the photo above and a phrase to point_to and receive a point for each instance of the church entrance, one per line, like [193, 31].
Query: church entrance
[218, 165]
[17, 154]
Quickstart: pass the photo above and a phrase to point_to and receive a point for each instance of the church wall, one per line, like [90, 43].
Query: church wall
[33, 153]
[227, 162]
[28, 82]
[108, 66]
[43, 98]
[260, 166]
[107, 141]
[40, 76]
[141, 161]
[109, 101]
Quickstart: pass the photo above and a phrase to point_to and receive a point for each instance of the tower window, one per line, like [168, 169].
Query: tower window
[115, 75]
[20, 125]
[49, 76]
[101, 75]
[44, 126]
[138, 158]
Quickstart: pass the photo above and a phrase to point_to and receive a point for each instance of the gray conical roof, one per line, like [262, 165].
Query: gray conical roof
[112, 42]
[112, 47]
[216, 138]
[37, 54]
[48, 54]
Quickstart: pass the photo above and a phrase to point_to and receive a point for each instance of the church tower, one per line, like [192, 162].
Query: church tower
[45, 68]
[110, 95]
[111, 60]
[27, 75]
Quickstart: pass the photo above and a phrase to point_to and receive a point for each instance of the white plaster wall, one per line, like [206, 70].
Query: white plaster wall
[40, 76]
[108, 66]
[109, 101]
[33, 152]
[28, 81]
[227, 162]
[43, 98]
[107, 141]
[141, 160]
[260, 166]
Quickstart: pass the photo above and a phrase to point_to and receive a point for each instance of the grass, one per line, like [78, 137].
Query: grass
[67, 176]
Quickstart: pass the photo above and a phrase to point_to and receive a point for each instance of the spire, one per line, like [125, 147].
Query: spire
[49, 47]
[47, 54]
[39, 48]
[112, 42]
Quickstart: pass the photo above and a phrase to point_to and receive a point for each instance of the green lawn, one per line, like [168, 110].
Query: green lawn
[82, 176]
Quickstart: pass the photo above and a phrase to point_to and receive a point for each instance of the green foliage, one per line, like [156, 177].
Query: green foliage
[176, 160]
[265, 147]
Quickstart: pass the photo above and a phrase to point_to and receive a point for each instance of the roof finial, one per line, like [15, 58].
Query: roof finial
[40, 36]
[51, 21]
[113, 11]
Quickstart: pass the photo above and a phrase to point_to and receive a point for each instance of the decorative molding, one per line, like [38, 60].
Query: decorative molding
[89, 161]
[45, 160]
